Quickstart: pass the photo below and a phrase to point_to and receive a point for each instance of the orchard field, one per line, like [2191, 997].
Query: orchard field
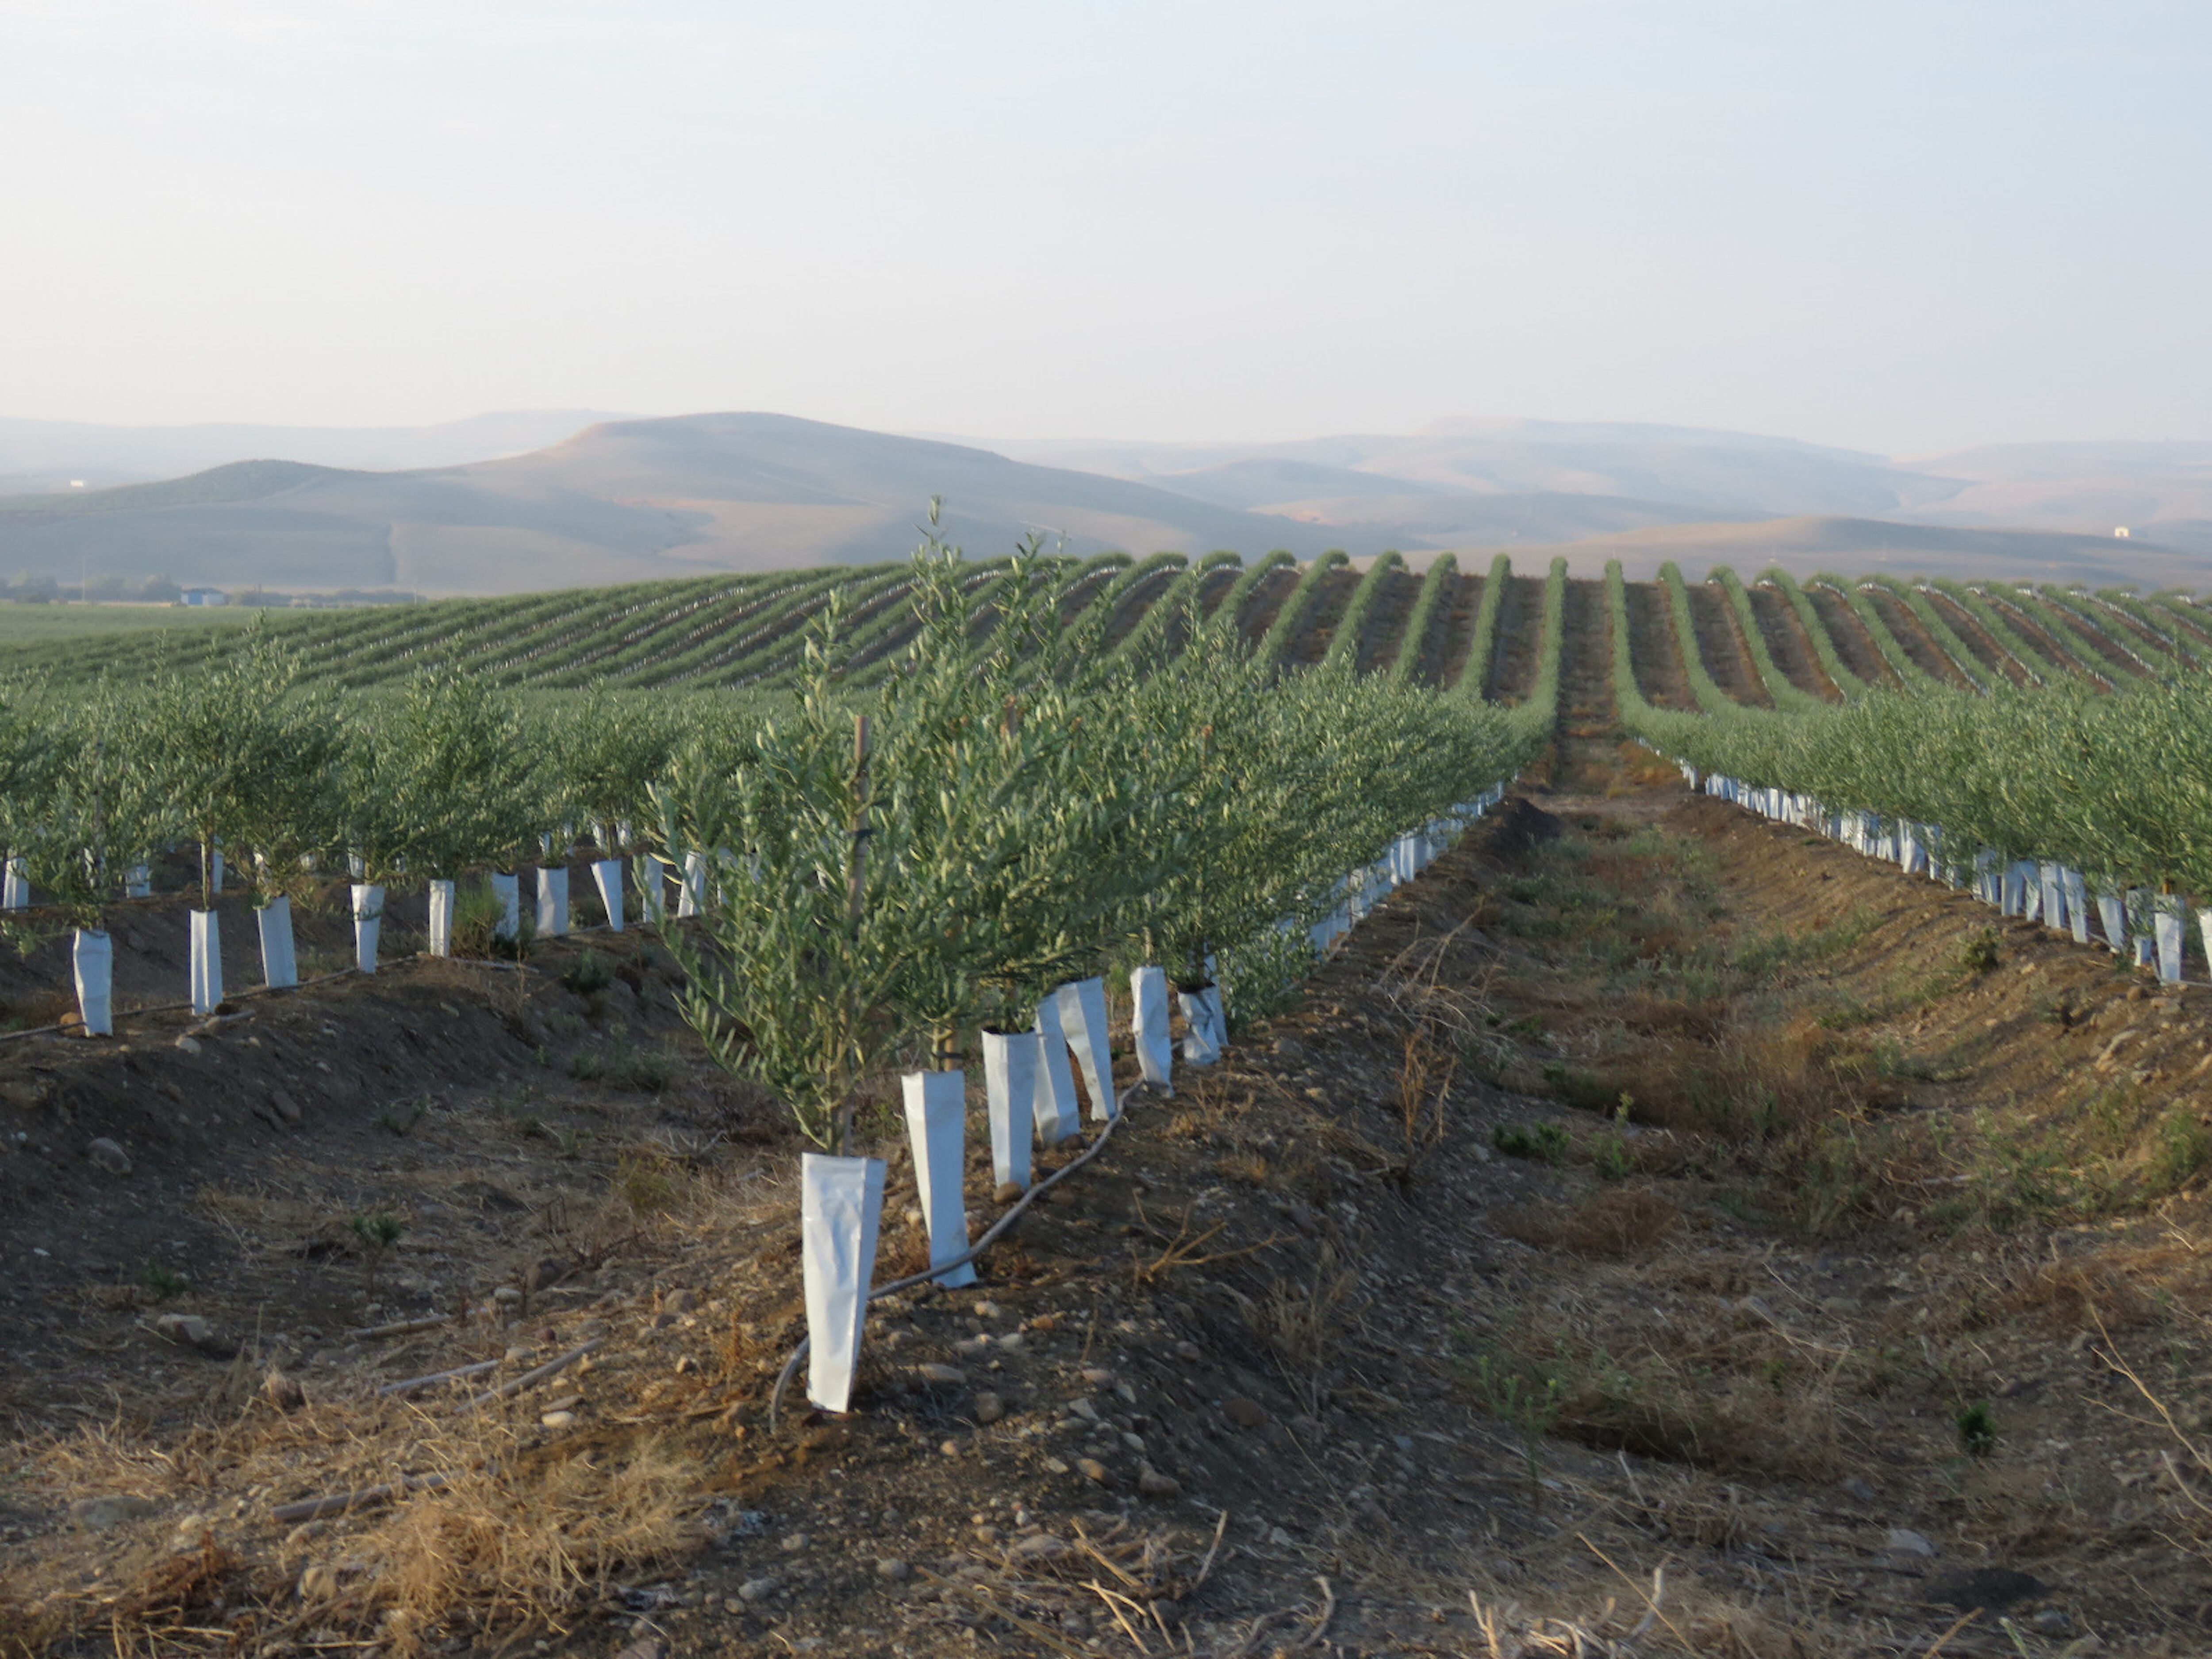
[1621, 1118]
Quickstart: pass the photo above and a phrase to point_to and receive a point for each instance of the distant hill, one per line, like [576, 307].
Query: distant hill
[624, 501]
[37, 456]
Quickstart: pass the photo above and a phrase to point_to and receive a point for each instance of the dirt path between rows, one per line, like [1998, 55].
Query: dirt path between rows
[1645, 1189]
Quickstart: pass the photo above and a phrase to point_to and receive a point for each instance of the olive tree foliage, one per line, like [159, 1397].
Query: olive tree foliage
[861, 895]
[28, 759]
[438, 779]
[1024, 808]
[247, 758]
[606, 753]
[102, 810]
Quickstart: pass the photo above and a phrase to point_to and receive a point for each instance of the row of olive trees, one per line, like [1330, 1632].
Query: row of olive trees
[284, 781]
[1015, 813]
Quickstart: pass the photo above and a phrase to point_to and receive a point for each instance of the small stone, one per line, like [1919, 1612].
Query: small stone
[1038, 1546]
[1092, 1469]
[1189, 1351]
[1097, 1375]
[284, 1106]
[1006, 1192]
[989, 1311]
[1054, 1466]
[893, 1570]
[988, 1534]
[951, 1377]
[319, 1582]
[516, 1357]
[1153, 1484]
[557, 1421]
[792, 1542]
[1902, 1541]
[756, 1589]
[282, 1392]
[1244, 1413]
[109, 1156]
[646, 1647]
[1856, 1486]
[190, 1044]
[1135, 1443]
[1280, 1538]
[105, 1514]
[951, 1448]
[1084, 1409]
[679, 1302]
[2052, 1622]
[989, 1408]
[191, 1331]
[506, 1296]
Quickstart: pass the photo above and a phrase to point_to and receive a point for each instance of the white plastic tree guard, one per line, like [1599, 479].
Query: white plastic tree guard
[2112, 913]
[2074, 888]
[841, 1207]
[368, 923]
[15, 887]
[207, 962]
[1208, 1030]
[138, 882]
[441, 918]
[650, 873]
[1059, 1115]
[937, 1130]
[92, 959]
[552, 902]
[507, 893]
[1148, 991]
[607, 873]
[2146, 952]
[2167, 926]
[1083, 1022]
[280, 963]
[1010, 1093]
[2054, 894]
[215, 871]
[693, 898]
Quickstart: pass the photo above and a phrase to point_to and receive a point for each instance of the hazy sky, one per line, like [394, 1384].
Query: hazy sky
[1896, 227]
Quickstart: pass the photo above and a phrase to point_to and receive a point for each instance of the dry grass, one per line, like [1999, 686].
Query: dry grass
[1620, 1221]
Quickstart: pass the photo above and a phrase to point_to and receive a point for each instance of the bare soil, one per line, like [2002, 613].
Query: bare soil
[1513, 658]
[1720, 645]
[1913, 640]
[1451, 638]
[1380, 640]
[1324, 611]
[1786, 643]
[1993, 657]
[1857, 651]
[1646, 1205]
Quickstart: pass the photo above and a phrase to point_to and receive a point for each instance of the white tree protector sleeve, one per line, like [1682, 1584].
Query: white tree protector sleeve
[507, 893]
[1208, 1032]
[215, 871]
[2167, 924]
[2145, 951]
[2014, 898]
[16, 893]
[1148, 991]
[607, 873]
[937, 1130]
[441, 918]
[207, 962]
[1058, 1114]
[552, 901]
[1009, 1080]
[2112, 913]
[280, 963]
[2054, 894]
[1083, 1022]
[356, 866]
[651, 876]
[92, 959]
[2075, 891]
[840, 1206]
[368, 923]
[694, 895]
[138, 882]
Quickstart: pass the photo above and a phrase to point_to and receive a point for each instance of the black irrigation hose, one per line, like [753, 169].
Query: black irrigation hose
[1121, 1111]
